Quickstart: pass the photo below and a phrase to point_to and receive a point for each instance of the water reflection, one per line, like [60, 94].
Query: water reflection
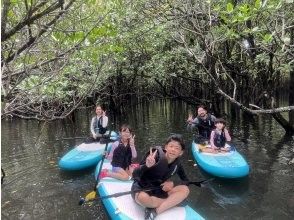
[228, 191]
[35, 188]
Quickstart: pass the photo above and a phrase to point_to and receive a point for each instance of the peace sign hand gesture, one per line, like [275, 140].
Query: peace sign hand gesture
[132, 141]
[190, 118]
[150, 160]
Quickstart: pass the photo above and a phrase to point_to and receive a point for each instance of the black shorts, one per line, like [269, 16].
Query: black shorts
[157, 192]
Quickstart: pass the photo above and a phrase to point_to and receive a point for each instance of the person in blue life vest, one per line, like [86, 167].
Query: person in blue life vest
[155, 170]
[219, 136]
[122, 153]
[99, 124]
[204, 122]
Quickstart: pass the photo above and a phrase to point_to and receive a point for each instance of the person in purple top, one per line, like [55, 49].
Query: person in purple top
[219, 136]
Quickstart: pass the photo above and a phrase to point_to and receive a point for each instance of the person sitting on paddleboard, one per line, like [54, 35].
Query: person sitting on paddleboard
[204, 122]
[155, 170]
[98, 125]
[219, 136]
[122, 153]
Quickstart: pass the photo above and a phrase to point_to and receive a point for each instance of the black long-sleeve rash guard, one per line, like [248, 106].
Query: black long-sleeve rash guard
[158, 174]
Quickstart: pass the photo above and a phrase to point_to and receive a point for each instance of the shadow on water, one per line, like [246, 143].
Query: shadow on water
[69, 174]
[227, 191]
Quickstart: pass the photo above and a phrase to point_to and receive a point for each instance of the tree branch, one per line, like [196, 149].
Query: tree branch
[42, 31]
[30, 19]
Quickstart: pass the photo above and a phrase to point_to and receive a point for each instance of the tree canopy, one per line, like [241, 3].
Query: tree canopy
[59, 55]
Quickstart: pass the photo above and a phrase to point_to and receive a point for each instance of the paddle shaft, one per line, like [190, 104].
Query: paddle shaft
[196, 183]
[70, 138]
[2, 175]
[101, 164]
[129, 192]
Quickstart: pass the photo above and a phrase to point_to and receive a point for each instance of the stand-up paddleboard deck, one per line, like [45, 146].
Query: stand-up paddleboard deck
[84, 155]
[226, 164]
[125, 208]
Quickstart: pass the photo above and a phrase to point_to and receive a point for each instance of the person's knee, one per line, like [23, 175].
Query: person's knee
[142, 197]
[184, 190]
[125, 176]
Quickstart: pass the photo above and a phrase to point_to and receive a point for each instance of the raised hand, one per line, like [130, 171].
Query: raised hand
[190, 118]
[150, 160]
[132, 140]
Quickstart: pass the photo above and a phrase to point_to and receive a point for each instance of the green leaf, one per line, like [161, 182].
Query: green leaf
[77, 36]
[257, 4]
[267, 38]
[230, 8]
[244, 9]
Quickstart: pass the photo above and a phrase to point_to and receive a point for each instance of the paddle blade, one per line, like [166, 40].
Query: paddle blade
[90, 196]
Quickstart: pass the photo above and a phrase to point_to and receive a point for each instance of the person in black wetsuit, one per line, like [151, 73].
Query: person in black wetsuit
[155, 170]
[204, 122]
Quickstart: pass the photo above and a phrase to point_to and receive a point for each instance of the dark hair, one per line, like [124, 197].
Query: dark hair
[202, 106]
[125, 127]
[178, 138]
[101, 106]
[220, 120]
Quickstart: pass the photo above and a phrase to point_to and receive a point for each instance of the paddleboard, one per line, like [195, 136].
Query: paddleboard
[225, 164]
[125, 208]
[84, 155]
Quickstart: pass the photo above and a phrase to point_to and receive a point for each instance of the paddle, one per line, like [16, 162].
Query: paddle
[2, 175]
[92, 195]
[196, 183]
[71, 138]
[200, 183]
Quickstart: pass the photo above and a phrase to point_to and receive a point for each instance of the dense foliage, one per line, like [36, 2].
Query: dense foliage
[59, 55]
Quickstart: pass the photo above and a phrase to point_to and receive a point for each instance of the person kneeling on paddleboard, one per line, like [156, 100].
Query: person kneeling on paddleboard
[99, 125]
[219, 136]
[155, 169]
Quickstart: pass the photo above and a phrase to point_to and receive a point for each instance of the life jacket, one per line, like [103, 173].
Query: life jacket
[205, 126]
[159, 173]
[98, 126]
[122, 156]
[219, 139]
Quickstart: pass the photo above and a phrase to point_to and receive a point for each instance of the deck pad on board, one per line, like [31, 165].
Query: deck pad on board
[124, 207]
[225, 164]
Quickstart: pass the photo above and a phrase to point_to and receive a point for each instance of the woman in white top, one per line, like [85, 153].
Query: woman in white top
[99, 124]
